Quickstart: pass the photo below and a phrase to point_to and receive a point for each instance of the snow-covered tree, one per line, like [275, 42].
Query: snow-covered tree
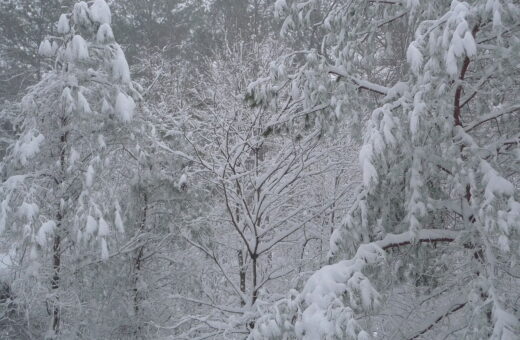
[356, 178]
[64, 176]
[269, 213]
[440, 163]
[23, 25]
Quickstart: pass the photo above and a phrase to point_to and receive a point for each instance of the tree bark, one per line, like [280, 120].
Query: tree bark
[242, 275]
[55, 281]
[137, 267]
[255, 290]
[56, 246]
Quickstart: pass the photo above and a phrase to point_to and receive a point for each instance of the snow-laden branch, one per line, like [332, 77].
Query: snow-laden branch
[225, 309]
[458, 304]
[490, 116]
[362, 84]
[421, 236]
[323, 293]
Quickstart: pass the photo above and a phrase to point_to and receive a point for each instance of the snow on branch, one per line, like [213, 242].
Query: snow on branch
[362, 84]
[458, 305]
[340, 289]
[494, 115]
[421, 236]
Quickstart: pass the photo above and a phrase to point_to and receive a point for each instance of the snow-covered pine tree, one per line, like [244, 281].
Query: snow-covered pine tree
[64, 173]
[440, 164]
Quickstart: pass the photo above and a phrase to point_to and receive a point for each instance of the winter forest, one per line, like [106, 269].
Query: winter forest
[260, 169]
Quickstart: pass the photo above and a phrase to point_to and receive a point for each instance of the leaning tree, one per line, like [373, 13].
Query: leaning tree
[434, 85]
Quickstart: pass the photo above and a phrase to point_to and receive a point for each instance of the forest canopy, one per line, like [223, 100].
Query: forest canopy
[260, 169]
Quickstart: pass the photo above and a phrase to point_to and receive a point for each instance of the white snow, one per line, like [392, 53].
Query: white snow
[503, 243]
[55, 47]
[28, 210]
[80, 14]
[119, 222]
[91, 226]
[423, 234]
[28, 146]
[89, 176]
[33, 254]
[104, 34]
[6, 261]
[101, 141]
[63, 24]
[469, 44]
[104, 249]
[83, 103]
[335, 240]
[370, 253]
[182, 180]
[79, 236]
[513, 216]
[322, 294]
[28, 103]
[457, 45]
[451, 62]
[414, 57]
[103, 229]
[365, 160]
[497, 16]
[45, 49]
[287, 24]
[106, 108]
[496, 185]
[120, 69]
[79, 48]
[324, 290]
[100, 12]
[506, 324]
[364, 336]
[388, 124]
[46, 229]
[68, 101]
[125, 107]
[415, 114]
[362, 293]
[73, 158]
[279, 7]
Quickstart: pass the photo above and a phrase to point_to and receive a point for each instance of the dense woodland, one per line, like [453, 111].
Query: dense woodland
[260, 169]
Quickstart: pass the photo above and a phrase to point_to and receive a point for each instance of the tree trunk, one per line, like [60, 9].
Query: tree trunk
[242, 275]
[137, 267]
[56, 246]
[255, 290]
[55, 282]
